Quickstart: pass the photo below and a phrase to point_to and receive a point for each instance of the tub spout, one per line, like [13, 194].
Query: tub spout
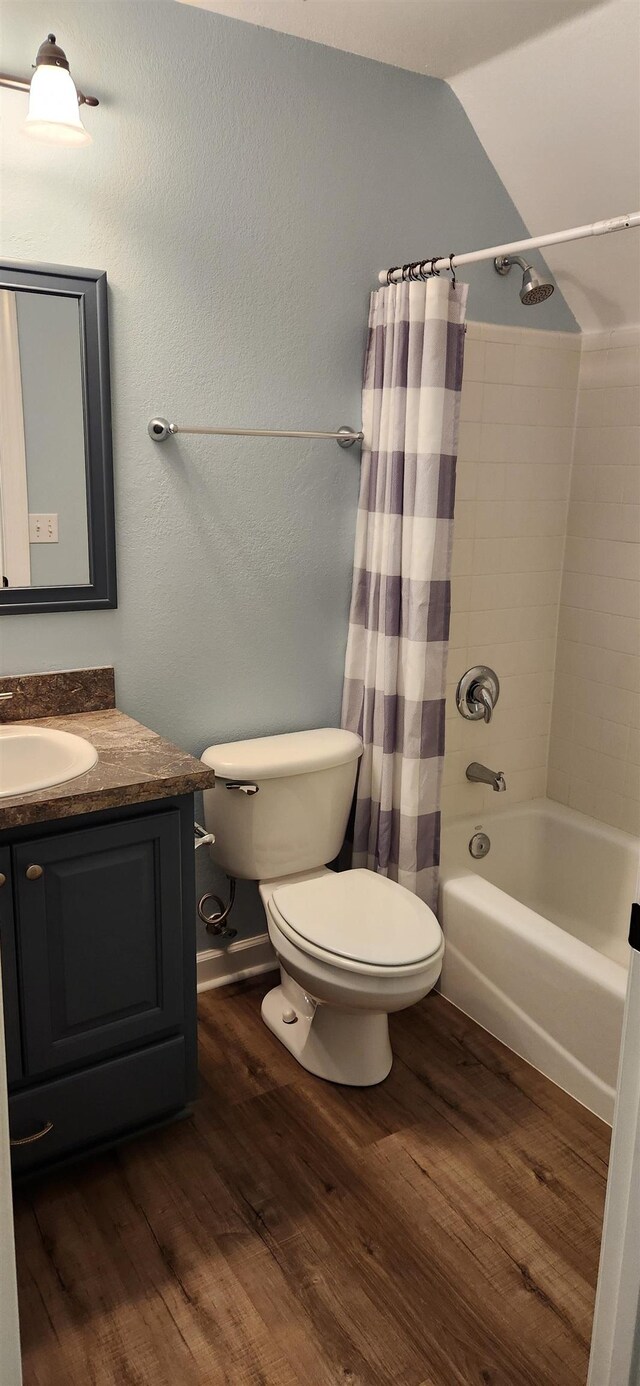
[480, 774]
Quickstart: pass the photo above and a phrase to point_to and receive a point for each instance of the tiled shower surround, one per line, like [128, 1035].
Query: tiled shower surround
[594, 754]
[546, 570]
[514, 469]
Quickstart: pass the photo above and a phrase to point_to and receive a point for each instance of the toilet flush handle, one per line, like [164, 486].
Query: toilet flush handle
[244, 785]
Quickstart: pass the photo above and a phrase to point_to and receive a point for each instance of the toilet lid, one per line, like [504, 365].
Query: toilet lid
[361, 916]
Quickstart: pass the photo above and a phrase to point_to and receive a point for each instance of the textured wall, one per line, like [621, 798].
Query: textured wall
[594, 756]
[516, 436]
[242, 191]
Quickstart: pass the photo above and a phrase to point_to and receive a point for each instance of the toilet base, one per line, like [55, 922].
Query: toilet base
[350, 1047]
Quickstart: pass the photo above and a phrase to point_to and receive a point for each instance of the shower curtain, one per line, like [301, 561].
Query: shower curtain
[400, 604]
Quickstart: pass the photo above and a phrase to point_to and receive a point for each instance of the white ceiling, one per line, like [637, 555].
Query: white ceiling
[551, 88]
[440, 37]
[560, 120]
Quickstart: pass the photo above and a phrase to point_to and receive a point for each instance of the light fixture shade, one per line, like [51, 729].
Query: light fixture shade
[54, 114]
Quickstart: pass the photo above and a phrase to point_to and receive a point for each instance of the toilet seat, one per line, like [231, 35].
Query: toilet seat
[358, 921]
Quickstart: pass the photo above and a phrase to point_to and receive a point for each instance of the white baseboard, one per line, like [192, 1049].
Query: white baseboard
[246, 957]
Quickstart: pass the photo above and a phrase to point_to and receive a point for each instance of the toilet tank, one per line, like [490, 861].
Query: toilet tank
[298, 817]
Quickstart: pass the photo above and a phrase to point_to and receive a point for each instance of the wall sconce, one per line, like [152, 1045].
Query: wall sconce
[54, 101]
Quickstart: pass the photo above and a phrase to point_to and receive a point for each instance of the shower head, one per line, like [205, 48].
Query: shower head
[534, 289]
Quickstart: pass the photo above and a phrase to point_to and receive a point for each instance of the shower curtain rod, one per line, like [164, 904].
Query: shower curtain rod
[575, 233]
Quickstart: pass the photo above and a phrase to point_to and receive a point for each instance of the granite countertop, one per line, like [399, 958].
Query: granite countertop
[134, 765]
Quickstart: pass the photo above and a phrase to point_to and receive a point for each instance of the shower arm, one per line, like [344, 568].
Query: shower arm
[503, 263]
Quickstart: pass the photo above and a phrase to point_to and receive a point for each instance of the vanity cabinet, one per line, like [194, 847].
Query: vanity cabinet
[98, 960]
[9, 972]
[100, 953]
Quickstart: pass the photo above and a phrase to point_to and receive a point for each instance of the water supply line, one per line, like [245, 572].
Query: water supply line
[214, 922]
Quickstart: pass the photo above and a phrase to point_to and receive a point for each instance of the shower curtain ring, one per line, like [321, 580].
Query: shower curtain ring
[391, 272]
[452, 271]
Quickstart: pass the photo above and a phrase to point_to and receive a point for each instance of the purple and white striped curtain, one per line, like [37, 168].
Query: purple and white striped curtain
[400, 605]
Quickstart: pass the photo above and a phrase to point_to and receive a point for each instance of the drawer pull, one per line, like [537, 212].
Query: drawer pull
[33, 873]
[3, 879]
[37, 1135]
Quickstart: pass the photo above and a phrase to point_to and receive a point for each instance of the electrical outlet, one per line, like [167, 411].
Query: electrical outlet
[43, 529]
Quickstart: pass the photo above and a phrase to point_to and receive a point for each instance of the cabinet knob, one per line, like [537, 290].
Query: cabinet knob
[33, 873]
[3, 879]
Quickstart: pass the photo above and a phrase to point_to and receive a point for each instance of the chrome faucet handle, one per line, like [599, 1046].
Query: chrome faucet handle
[477, 693]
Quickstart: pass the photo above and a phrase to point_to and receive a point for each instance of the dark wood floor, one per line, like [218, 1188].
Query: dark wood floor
[440, 1230]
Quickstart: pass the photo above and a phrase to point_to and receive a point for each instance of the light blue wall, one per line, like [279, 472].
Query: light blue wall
[242, 191]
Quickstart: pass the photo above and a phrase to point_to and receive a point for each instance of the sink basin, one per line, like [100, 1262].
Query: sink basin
[38, 757]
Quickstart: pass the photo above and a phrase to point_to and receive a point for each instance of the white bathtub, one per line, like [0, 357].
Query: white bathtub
[536, 939]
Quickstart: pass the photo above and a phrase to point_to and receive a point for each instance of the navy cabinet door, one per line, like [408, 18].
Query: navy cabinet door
[100, 940]
[9, 981]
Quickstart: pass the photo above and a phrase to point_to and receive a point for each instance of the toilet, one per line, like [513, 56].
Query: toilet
[352, 945]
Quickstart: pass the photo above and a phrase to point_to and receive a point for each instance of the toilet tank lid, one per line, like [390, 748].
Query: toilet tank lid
[292, 753]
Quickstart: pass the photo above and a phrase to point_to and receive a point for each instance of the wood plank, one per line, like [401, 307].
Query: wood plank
[441, 1229]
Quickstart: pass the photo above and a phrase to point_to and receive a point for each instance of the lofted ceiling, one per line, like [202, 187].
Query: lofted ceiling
[559, 118]
[551, 88]
[439, 37]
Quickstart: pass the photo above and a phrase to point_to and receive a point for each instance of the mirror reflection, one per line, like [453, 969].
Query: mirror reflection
[44, 533]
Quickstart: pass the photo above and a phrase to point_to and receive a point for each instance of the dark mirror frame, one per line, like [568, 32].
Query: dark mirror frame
[89, 287]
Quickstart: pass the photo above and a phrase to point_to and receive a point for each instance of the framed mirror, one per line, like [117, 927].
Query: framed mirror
[57, 529]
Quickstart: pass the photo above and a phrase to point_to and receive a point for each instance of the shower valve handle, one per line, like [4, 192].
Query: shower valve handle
[477, 693]
[481, 696]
